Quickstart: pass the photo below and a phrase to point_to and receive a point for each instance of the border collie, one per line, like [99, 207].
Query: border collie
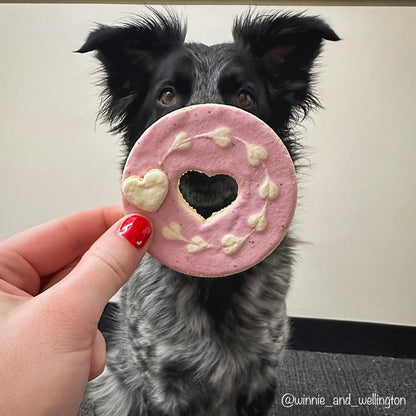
[180, 345]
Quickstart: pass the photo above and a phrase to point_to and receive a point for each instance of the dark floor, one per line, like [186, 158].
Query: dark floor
[316, 383]
[341, 368]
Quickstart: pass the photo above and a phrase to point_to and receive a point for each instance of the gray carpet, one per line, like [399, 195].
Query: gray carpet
[315, 383]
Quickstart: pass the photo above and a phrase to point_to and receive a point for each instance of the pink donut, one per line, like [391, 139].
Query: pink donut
[213, 139]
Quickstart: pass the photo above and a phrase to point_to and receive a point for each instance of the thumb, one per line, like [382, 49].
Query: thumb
[108, 264]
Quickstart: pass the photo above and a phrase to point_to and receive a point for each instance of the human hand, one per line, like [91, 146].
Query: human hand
[55, 280]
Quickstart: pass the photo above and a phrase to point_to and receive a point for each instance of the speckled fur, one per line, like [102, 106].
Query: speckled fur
[171, 351]
[180, 345]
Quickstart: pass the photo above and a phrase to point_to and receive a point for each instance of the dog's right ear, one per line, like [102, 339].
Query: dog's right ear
[129, 54]
[284, 48]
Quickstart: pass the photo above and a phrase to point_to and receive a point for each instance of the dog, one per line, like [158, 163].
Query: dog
[179, 345]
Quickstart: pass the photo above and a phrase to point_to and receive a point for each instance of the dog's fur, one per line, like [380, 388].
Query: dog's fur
[182, 345]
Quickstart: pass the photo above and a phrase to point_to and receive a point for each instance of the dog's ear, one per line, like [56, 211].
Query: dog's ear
[129, 54]
[284, 47]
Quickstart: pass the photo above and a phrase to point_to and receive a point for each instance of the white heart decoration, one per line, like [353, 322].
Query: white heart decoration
[147, 192]
[173, 231]
[269, 189]
[181, 142]
[221, 136]
[256, 154]
[231, 243]
[197, 244]
[258, 221]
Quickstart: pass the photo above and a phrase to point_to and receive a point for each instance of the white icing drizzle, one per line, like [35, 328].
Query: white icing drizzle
[221, 136]
[256, 155]
[268, 190]
[197, 244]
[231, 243]
[181, 142]
[173, 232]
[258, 220]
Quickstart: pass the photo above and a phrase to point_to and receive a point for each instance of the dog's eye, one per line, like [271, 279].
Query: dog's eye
[244, 99]
[168, 96]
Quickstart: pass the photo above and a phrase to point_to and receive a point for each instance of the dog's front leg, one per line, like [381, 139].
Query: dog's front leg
[259, 405]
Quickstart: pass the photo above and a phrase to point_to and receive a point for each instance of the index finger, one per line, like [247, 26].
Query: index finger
[47, 248]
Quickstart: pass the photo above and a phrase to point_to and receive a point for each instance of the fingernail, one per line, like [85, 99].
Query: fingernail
[136, 230]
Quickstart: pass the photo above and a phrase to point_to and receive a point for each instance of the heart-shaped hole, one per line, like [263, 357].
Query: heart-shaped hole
[207, 195]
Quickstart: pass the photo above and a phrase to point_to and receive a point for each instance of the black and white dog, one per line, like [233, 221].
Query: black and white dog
[180, 345]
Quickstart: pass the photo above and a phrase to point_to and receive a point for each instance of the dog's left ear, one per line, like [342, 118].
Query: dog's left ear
[129, 55]
[284, 48]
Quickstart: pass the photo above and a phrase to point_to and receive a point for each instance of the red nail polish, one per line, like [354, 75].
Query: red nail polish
[137, 230]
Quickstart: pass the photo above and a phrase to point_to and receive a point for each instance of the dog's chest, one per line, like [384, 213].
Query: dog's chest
[176, 339]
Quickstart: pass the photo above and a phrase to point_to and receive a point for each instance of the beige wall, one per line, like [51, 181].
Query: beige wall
[358, 198]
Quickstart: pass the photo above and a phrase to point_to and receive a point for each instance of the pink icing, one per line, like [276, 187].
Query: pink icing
[181, 239]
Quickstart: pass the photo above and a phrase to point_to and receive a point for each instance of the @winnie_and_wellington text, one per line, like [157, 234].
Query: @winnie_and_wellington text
[374, 399]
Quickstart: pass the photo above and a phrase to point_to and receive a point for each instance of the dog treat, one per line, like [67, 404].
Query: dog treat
[213, 139]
